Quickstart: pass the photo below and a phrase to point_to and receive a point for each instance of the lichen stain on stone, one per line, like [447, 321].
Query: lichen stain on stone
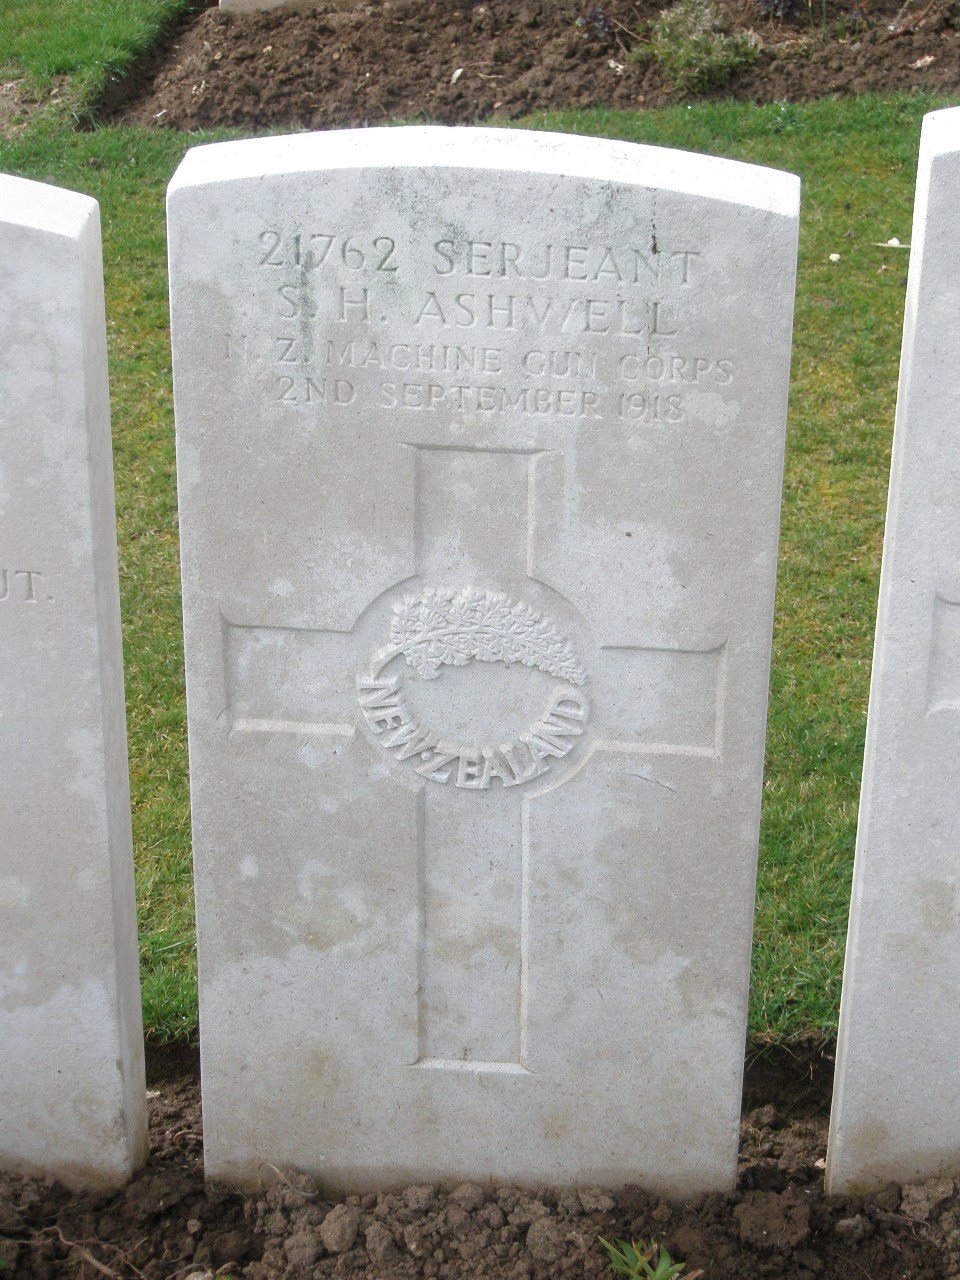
[459, 948]
[554, 1127]
[938, 906]
[865, 1145]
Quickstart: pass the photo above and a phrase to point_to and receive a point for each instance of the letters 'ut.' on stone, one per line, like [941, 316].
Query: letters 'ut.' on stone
[896, 1108]
[72, 1093]
[479, 445]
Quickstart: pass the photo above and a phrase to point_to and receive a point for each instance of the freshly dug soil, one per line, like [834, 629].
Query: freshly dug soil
[458, 61]
[779, 1225]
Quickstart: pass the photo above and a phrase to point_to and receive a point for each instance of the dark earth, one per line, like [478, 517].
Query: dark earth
[778, 1225]
[447, 62]
[441, 61]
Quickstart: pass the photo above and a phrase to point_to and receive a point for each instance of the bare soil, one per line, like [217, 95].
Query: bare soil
[778, 1225]
[457, 61]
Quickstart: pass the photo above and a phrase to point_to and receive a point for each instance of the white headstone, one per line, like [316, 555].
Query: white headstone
[260, 6]
[896, 1110]
[480, 441]
[72, 1095]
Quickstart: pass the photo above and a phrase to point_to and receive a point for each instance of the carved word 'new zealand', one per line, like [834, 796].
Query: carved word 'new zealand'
[553, 736]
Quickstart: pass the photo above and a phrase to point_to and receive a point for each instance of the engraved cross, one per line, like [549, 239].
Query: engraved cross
[488, 689]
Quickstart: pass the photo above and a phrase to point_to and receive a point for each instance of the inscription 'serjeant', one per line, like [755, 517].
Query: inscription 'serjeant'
[447, 627]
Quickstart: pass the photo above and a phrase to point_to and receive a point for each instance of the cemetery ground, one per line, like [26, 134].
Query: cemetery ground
[344, 65]
[857, 158]
[778, 1226]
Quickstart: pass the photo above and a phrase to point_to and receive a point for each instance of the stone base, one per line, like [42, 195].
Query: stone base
[258, 6]
[262, 6]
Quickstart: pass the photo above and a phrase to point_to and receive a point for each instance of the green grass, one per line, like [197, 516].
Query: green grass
[857, 160]
[127, 172]
[86, 40]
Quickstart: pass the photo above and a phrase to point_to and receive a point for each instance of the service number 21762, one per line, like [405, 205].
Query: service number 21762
[312, 250]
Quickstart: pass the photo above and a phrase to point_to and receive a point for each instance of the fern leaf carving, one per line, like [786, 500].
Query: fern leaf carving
[446, 627]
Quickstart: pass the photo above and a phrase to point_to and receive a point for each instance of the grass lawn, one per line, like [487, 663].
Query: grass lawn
[857, 160]
[84, 40]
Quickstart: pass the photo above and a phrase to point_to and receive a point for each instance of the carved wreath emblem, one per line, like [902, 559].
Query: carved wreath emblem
[443, 627]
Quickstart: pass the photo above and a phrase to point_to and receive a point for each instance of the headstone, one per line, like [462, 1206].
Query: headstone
[479, 441]
[260, 6]
[896, 1110]
[72, 1094]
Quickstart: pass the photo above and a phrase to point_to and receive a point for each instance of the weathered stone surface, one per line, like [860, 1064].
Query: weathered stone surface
[72, 1093]
[896, 1108]
[479, 445]
[260, 6]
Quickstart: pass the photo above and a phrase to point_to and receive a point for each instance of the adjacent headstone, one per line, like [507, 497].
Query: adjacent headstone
[896, 1110]
[72, 1096]
[261, 6]
[480, 442]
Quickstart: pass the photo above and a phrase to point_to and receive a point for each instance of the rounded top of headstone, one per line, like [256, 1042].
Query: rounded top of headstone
[506, 150]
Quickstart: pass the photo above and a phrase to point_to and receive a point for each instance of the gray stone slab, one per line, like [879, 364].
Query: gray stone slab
[261, 6]
[479, 442]
[896, 1110]
[72, 1093]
